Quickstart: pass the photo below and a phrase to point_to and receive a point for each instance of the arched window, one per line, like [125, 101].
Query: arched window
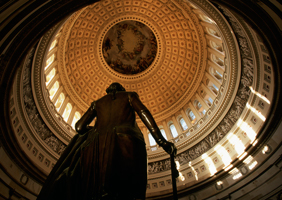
[191, 116]
[67, 112]
[216, 46]
[173, 130]
[183, 124]
[60, 101]
[50, 75]
[212, 32]
[49, 61]
[214, 88]
[217, 60]
[53, 44]
[75, 119]
[163, 133]
[199, 107]
[209, 101]
[54, 89]
[216, 74]
[152, 141]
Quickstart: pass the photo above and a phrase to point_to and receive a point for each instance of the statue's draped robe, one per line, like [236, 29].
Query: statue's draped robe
[110, 159]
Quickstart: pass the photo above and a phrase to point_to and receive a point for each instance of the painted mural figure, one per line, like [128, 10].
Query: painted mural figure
[109, 160]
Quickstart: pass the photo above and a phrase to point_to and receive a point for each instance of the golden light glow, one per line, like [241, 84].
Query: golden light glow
[196, 174]
[265, 149]
[255, 142]
[181, 177]
[49, 61]
[228, 167]
[247, 129]
[226, 159]
[54, 89]
[237, 176]
[53, 44]
[234, 171]
[210, 164]
[243, 156]
[219, 182]
[177, 165]
[237, 143]
[75, 119]
[253, 164]
[67, 112]
[248, 159]
[260, 96]
[258, 113]
[50, 75]
[60, 101]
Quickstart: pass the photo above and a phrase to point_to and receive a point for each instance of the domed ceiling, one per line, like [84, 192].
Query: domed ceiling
[180, 57]
[155, 48]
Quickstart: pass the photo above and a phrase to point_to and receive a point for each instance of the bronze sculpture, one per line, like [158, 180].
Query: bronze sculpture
[109, 160]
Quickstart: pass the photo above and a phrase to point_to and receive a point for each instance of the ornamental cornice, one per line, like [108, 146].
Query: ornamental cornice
[40, 94]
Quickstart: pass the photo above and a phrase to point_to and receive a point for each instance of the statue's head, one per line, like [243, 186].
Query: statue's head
[115, 87]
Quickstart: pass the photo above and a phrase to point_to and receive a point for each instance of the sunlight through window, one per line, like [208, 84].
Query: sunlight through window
[67, 112]
[49, 61]
[50, 75]
[54, 89]
[53, 44]
[60, 101]
[75, 119]
[256, 112]
[260, 96]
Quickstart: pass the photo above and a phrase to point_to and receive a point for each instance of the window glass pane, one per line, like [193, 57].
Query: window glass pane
[50, 75]
[49, 61]
[54, 89]
[53, 45]
[192, 116]
[67, 112]
[152, 140]
[173, 131]
[75, 119]
[210, 100]
[60, 101]
[163, 133]
[183, 124]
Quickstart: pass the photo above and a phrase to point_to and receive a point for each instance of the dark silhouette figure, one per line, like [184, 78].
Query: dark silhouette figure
[109, 160]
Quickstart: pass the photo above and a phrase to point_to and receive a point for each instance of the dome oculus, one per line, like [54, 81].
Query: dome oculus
[129, 47]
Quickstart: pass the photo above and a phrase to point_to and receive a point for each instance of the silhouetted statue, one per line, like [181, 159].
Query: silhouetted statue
[109, 160]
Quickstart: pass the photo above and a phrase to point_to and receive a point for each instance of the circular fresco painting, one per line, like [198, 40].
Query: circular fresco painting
[129, 47]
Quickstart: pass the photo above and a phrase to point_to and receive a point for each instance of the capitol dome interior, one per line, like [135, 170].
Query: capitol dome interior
[208, 71]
